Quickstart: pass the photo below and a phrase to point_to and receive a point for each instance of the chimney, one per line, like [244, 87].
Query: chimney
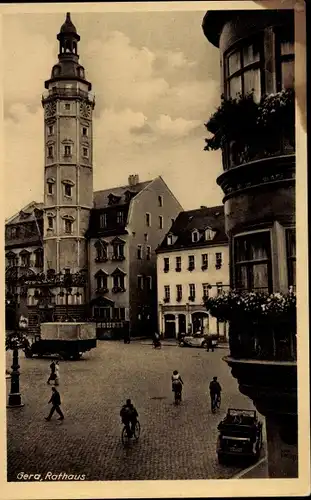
[133, 180]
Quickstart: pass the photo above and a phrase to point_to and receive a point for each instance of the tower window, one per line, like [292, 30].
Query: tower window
[50, 188]
[67, 151]
[148, 220]
[160, 222]
[50, 151]
[68, 226]
[85, 152]
[68, 190]
[67, 106]
[160, 200]
[50, 222]
[51, 129]
[85, 131]
[103, 221]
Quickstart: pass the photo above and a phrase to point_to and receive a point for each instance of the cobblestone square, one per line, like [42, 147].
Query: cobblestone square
[175, 442]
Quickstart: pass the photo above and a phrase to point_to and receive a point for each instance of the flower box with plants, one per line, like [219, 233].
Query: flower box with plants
[191, 298]
[248, 130]
[166, 300]
[262, 325]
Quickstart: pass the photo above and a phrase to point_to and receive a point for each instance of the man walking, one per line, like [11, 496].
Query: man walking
[56, 402]
[52, 374]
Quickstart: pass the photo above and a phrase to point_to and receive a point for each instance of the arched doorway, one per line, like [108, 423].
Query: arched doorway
[169, 326]
[200, 322]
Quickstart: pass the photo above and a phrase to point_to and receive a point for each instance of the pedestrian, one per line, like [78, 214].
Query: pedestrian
[56, 373]
[56, 402]
[52, 374]
[210, 343]
[177, 384]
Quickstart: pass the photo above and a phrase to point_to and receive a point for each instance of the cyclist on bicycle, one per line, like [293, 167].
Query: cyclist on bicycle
[177, 384]
[129, 417]
[215, 390]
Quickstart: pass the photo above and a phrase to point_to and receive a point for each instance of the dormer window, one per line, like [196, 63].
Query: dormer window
[209, 234]
[170, 239]
[113, 199]
[195, 236]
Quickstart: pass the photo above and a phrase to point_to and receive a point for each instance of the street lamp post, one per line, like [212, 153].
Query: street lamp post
[15, 399]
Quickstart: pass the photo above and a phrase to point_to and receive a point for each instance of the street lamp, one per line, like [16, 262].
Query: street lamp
[15, 399]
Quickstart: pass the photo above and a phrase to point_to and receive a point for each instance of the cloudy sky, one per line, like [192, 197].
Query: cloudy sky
[156, 80]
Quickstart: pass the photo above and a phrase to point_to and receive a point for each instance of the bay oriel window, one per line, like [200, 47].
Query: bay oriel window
[243, 69]
[285, 59]
[291, 257]
[252, 262]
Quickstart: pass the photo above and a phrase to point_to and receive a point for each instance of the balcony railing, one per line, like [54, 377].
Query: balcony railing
[63, 93]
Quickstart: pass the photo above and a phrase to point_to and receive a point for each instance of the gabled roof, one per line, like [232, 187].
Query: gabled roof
[101, 198]
[28, 209]
[199, 219]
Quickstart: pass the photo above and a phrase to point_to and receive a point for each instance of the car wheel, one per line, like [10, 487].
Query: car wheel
[181, 343]
[204, 344]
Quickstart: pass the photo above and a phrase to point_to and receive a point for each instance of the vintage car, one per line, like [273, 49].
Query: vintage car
[240, 435]
[198, 340]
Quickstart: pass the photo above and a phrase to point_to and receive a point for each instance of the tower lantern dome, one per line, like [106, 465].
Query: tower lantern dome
[68, 66]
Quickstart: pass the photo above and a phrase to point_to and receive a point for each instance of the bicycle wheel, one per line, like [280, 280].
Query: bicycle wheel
[137, 430]
[124, 436]
[218, 402]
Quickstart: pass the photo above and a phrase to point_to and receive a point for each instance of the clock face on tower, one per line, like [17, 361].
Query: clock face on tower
[50, 109]
[85, 110]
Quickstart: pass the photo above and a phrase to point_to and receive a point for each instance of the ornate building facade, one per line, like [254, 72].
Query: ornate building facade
[192, 264]
[81, 256]
[258, 147]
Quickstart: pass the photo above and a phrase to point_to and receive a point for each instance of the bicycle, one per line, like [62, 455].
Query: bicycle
[215, 402]
[177, 398]
[125, 438]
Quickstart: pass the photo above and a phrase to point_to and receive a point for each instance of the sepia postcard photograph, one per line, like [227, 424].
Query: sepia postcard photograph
[155, 255]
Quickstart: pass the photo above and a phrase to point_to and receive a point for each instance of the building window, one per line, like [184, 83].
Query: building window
[102, 281]
[67, 106]
[160, 222]
[178, 293]
[146, 237]
[170, 240]
[195, 236]
[178, 264]
[50, 188]
[25, 259]
[12, 260]
[101, 251]
[139, 252]
[206, 288]
[85, 152]
[149, 283]
[252, 262]
[67, 151]
[50, 151]
[148, 255]
[103, 221]
[167, 293]
[118, 251]
[191, 263]
[192, 292]
[140, 282]
[172, 221]
[148, 220]
[285, 60]
[209, 234]
[38, 258]
[166, 264]
[119, 282]
[243, 70]
[204, 261]
[291, 256]
[219, 287]
[160, 201]
[50, 222]
[120, 217]
[51, 130]
[68, 226]
[218, 260]
[85, 131]
[68, 190]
